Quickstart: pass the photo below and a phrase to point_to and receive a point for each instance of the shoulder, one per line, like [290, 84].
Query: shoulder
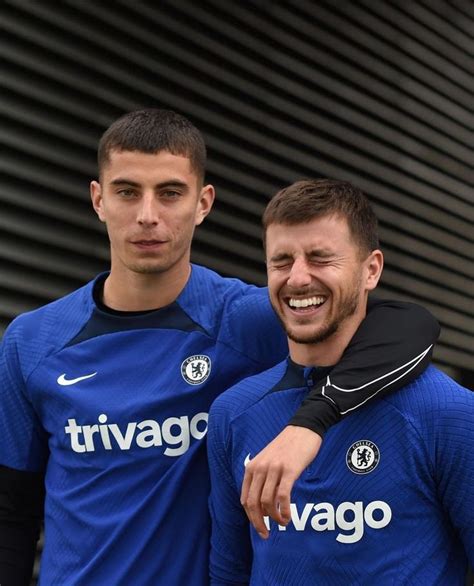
[37, 333]
[209, 294]
[434, 387]
[242, 396]
[57, 314]
[235, 313]
[434, 399]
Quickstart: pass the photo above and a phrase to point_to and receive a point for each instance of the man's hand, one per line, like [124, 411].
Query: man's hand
[269, 477]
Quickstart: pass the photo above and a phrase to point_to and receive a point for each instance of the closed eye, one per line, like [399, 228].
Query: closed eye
[319, 261]
[321, 258]
[281, 265]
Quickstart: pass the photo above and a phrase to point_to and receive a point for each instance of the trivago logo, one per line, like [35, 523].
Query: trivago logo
[350, 517]
[174, 431]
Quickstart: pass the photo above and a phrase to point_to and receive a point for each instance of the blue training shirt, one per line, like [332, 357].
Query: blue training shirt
[388, 500]
[114, 408]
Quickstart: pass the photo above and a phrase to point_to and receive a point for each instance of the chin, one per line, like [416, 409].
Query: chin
[314, 336]
[148, 268]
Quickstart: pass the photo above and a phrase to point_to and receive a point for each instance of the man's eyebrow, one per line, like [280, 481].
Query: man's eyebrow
[171, 183]
[321, 252]
[124, 181]
[314, 253]
[280, 257]
[167, 183]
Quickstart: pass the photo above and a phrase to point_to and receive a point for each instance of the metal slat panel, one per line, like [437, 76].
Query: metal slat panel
[26, 253]
[337, 67]
[444, 21]
[443, 350]
[400, 49]
[50, 231]
[297, 68]
[443, 277]
[430, 48]
[35, 197]
[257, 135]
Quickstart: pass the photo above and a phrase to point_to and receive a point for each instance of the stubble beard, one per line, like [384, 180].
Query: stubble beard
[347, 308]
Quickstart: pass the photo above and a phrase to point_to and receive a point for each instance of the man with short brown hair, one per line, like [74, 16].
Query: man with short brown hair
[389, 498]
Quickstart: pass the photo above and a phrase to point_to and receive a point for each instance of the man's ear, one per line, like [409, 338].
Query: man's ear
[97, 201]
[374, 266]
[206, 199]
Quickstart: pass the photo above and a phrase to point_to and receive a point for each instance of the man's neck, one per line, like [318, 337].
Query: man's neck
[131, 291]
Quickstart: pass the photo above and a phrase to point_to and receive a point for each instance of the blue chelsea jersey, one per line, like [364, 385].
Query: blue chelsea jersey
[114, 408]
[388, 500]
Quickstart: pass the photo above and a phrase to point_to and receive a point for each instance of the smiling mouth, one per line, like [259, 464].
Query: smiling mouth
[306, 303]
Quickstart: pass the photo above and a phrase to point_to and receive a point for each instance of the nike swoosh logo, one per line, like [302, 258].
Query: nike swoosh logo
[247, 460]
[65, 382]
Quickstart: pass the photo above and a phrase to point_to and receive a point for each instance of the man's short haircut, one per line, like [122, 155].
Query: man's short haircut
[153, 130]
[305, 200]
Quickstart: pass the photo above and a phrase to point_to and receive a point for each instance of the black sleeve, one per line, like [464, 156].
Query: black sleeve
[392, 346]
[21, 512]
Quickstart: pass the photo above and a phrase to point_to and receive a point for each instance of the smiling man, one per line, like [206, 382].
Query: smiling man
[105, 393]
[322, 261]
[389, 499]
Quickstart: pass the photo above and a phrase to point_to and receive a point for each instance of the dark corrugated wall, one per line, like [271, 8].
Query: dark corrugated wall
[379, 93]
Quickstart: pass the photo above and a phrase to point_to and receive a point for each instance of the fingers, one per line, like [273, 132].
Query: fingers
[268, 497]
[283, 498]
[266, 491]
[251, 500]
[270, 476]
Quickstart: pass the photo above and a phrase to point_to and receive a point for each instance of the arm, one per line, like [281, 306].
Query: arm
[451, 449]
[23, 453]
[392, 346]
[231, 551]
[21, 508]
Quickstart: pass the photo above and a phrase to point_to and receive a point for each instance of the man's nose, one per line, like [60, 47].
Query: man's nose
[148, 213]
[300, 274]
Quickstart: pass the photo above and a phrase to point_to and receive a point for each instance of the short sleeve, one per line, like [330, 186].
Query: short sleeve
[24, 442]
[252, 328]
[231, 551]
[453, 453]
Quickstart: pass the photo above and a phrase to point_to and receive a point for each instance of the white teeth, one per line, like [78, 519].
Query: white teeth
[306, 302]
